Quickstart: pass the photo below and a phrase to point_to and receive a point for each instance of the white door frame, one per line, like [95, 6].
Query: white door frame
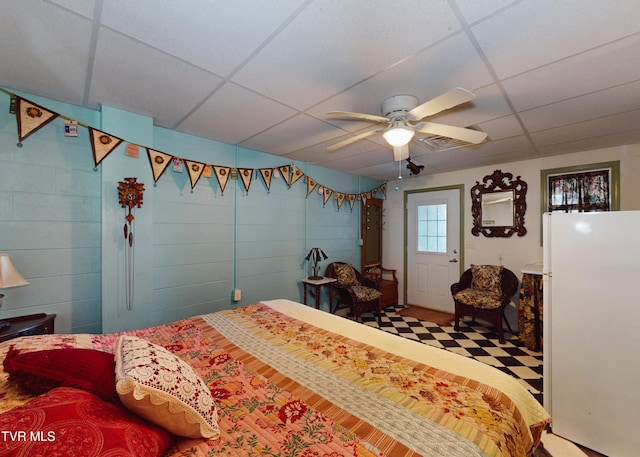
[460, 188]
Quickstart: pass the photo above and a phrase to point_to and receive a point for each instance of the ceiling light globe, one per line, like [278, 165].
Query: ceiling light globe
[398, 136]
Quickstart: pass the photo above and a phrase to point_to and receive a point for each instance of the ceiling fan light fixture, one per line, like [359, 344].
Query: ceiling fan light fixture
[399, 134]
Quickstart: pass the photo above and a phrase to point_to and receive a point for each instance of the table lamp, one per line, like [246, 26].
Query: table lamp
[9, 277]
[316, 254]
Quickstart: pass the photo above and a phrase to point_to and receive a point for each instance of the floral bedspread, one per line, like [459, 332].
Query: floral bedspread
[286, 388]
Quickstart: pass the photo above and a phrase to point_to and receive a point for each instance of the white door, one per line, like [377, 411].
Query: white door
[433, 247]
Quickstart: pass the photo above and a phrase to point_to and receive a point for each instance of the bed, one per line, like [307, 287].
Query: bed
[285, 379]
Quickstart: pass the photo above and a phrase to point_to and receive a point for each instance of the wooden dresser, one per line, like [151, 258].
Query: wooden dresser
[32, 324]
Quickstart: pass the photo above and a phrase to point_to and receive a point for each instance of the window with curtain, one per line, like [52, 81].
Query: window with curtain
[579, 192]
[581, 188]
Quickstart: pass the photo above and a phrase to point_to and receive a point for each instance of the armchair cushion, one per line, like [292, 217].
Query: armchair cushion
[346, 274]
[487, 278]
[364, 293]
[479, 298]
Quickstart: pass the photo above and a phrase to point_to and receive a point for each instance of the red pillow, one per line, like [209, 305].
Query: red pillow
[72, 422]
[40, 371]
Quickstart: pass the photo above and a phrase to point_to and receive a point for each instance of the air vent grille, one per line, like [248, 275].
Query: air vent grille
[438, 143]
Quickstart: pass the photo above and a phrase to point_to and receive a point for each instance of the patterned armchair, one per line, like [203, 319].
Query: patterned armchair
[356, 291]
[484, 291]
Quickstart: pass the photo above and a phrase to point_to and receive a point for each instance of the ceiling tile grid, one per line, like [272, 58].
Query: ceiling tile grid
[550, 77]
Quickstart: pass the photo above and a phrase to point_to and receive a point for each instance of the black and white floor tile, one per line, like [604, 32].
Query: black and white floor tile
[475, 339]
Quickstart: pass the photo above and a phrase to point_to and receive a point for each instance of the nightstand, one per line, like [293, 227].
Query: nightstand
[32, 324]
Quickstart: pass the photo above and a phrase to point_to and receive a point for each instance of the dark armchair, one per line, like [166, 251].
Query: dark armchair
[483, 292]
[354, 290]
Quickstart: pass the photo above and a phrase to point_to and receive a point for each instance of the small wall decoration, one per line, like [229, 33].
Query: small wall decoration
[130, 195]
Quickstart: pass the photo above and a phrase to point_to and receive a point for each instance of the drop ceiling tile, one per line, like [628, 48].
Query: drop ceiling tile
[233, 114]
[603, 142]
[603, 126]
[607, 66]
[502, 127]
[126, 75]
[591, 106]
[291, 135]
[83, 7]
[475, 10]
[52, 48]
[529, 35]
[217, 37]
[324, 50]
[426, 75]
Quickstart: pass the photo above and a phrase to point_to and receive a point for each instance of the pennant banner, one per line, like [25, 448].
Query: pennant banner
[159, 162]
[327, 194]
[102, 144]
[285, 170]
[311, 184]
[195, 170]
[352, 200]
[222, 174]
[31, 117]
[267, 174]
[296, 174]
[246, 174]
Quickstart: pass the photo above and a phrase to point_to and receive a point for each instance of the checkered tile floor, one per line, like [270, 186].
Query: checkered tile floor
[474, 340]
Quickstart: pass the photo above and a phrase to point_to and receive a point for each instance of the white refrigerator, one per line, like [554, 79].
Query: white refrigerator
[591, 329]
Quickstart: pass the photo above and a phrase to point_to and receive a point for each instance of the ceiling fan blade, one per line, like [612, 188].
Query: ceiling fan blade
[443, 102]
[450, 131]
[400, 152]
[352, 139]
[361, 116]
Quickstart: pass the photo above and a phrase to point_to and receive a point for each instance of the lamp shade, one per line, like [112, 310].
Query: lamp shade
[398, 135]
[9, 276]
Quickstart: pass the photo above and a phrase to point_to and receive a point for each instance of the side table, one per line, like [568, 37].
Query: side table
[32, 324]
[317, 285]
[530, 308]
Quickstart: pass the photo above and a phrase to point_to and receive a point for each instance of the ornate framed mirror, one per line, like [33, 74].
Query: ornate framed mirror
[498, 205]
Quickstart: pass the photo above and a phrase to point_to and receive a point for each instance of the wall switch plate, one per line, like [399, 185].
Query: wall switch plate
[237, 294]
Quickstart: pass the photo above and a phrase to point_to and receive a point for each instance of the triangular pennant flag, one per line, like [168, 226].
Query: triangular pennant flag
[352, 200]
[102, 144]
[159, 162]
[296, 174]
[383, 188]
[195, 170]
[246, 174]
[222, 173]
[286, 174]
[267, 174]
[311, 184]
[31, 117]
[340, 199]
[327, 194]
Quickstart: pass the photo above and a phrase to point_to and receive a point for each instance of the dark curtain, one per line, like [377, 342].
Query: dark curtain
[579, 192]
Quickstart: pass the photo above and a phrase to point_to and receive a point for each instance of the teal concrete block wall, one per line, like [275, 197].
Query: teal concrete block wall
[61, 223]
[50, 219]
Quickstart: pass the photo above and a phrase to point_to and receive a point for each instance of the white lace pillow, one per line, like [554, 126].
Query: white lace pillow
[159, 386]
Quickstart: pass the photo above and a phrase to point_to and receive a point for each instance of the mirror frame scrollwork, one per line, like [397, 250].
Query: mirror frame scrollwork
[499, 182]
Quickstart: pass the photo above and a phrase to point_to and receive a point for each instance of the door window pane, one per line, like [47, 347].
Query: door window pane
[432, 228]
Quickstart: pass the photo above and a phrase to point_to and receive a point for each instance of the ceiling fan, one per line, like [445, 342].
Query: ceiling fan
[403, 118]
